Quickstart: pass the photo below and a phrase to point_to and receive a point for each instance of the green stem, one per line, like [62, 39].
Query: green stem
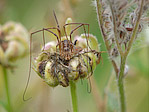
[100, 22]
[7, 89]
[135, 28]
[123, 61]
[121, 85]
[115, 29]
[74, 96]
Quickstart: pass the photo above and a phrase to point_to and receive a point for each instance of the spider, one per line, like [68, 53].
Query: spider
[66, 52]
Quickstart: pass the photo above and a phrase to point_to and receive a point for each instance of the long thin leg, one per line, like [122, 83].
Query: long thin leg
[80, 24]
[43, 40]
[59, 40]
[47, 29]
[31, 59]
[65, 32]
[57, 30]
[89, 88]
[87, 47]
[58, 27]
[56, 19]
[85, 35]
[88, 76]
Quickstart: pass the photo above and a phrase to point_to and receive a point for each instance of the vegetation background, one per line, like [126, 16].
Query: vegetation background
[36, 14]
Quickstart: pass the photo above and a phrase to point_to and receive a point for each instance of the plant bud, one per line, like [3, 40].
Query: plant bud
[92, 41]
[50, 79]
[74, 75]
[50, 46]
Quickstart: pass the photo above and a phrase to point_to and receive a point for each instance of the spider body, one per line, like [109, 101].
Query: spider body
[67, 49]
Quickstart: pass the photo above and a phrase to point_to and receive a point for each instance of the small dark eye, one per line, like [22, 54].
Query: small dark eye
[75, 42]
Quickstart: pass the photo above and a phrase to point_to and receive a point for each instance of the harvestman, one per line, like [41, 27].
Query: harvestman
[67, 49]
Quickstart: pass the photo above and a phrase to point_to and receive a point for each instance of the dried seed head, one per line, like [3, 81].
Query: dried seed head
[55, 68]
[13, 43]
[57, 71]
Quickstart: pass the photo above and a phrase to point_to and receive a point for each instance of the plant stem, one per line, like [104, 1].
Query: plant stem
[7, 89]
[74, 96]
[123, 55]
[135, 28]
[121, 85]
[123, 61]
[119, 74]
[115, 29]
[100, 22]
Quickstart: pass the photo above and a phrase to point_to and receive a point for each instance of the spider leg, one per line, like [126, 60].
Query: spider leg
[30, 66]
[79, 25]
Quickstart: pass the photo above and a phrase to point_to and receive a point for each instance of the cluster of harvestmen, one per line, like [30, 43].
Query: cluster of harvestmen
[66, 50]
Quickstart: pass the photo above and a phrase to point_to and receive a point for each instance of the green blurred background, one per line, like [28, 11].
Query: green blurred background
[36, 14]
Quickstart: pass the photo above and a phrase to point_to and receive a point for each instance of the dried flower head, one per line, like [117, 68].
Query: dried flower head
[13, 43]
[68, 60]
